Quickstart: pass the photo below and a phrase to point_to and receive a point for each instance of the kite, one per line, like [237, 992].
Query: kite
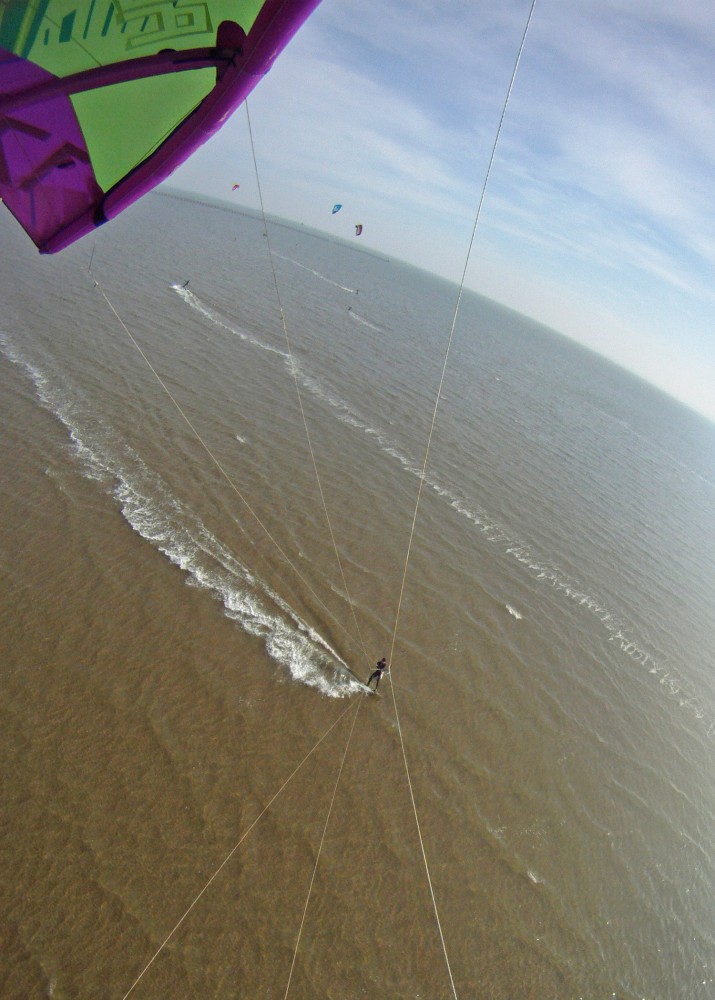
[101, 100]
[336, 208]
[358, 230]
[235, 187]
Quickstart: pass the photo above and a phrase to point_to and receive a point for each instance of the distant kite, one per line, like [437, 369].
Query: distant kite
[234, 187]
[358, 229]
[336, 208]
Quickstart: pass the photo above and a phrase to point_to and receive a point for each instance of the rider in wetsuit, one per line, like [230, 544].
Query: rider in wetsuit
[377, 672]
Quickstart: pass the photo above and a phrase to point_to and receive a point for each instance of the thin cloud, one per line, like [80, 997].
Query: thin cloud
[601, 187]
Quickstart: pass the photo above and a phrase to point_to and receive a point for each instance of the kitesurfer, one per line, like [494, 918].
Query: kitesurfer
[377, 672]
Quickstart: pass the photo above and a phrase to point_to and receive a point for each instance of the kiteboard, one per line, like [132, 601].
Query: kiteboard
[362, 684]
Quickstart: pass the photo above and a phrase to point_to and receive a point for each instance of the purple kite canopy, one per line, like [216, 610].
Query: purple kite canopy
[100, 102]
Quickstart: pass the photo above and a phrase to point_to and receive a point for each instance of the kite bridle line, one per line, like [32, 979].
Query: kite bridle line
[407, 556]
[293, 368]
[284, 555]
[422, 476]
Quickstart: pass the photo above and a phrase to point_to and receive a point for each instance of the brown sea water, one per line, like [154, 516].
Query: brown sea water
[174, 645]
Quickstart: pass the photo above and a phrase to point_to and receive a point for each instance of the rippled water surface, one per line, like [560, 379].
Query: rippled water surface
[178, 635]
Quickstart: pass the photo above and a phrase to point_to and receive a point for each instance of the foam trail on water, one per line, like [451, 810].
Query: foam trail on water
[161, 518]
[364, 322]
[184, 539]
[619, 632]
[217, 318]
[317, 274]
[538, 568]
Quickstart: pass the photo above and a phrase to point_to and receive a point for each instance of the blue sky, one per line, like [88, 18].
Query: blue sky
[599, 218]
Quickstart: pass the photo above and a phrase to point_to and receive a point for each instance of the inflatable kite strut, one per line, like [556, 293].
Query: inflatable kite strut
[101, 100]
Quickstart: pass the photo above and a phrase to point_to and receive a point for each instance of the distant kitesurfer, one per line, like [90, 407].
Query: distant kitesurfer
[377, 672]
[185, 284]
